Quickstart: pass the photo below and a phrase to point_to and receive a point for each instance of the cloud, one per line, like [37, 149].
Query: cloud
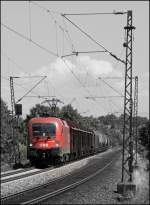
[64, 69]
[71, 79]
[93, 66]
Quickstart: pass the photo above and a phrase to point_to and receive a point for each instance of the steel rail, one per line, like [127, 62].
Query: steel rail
[19, 194]
[41, 171]
[25, 175]
[3, 199]
[66, 188]
[15, 172]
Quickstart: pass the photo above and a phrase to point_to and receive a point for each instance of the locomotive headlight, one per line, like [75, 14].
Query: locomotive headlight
[30, 145]
[57, 143]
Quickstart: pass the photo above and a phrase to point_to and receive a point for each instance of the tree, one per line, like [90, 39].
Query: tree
[7, 148]
[68, 113]
[144, 137]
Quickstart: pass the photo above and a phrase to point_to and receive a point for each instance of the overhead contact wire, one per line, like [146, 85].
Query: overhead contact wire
[96, 13]
[80, 82]
[18, 84]
[31, 89]
[91, 38]
[71, 42]
[56, 38]
[42, 7]
[29, 19]
[28, 39]
[22, 69]
[110, 86]
[60, 27]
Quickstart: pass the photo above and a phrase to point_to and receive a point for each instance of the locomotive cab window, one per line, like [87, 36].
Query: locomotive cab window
[44, 130]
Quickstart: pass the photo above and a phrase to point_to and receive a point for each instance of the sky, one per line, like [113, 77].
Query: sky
[85, 81]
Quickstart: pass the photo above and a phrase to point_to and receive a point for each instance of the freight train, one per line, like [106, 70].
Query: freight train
[53, 140]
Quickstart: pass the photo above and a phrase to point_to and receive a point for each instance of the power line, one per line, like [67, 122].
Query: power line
[112, 96]
[110, 86]
[31, 89]
[114, 104]
[120, 56]
[94, 13]
[75, 76]
[64, 15]
[18, 84]
[56, 38]
[114, 77]
[72, 45]
[42, 7]
[39, 96]
[34, 76]
[78, 52]
[111, 99]
[79, 81]
[91, 38]
[56, 22]
[44, 48]
[28, 39]
[16, 64]
[21, 68]
[29, 19]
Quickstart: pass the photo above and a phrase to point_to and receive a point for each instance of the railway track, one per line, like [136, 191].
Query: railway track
[59, 185]
[13, 172]
[8, 177]
[22, 174]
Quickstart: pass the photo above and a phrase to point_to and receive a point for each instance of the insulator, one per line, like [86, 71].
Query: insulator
[125, 44]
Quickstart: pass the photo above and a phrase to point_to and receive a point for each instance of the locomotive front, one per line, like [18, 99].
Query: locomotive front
[44, 139]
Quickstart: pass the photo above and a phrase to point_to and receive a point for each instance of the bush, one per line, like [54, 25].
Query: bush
[23, 152]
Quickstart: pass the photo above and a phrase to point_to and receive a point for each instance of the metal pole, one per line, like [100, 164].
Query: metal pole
[135, 108]
[13, 114]
[127, 152]
[136, 133]
[14, 123]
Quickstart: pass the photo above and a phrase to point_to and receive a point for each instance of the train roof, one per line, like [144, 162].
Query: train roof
[71, 124]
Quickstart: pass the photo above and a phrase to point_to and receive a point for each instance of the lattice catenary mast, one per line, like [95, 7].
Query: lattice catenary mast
[135, 114]
[13, 122]
[127, 153]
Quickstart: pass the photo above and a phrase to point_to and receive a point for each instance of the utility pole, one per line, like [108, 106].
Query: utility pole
[14, 108]
[12, 115]
[127, 152]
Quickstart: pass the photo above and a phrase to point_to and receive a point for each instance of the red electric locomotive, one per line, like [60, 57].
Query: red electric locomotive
[53, 140]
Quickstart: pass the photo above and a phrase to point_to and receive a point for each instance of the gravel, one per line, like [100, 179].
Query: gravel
[102, 189]
[19, 185]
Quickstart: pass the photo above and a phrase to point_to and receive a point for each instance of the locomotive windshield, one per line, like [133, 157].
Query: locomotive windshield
[42, 130]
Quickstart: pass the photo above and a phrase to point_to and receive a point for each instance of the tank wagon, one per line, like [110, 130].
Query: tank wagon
[53, 140]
